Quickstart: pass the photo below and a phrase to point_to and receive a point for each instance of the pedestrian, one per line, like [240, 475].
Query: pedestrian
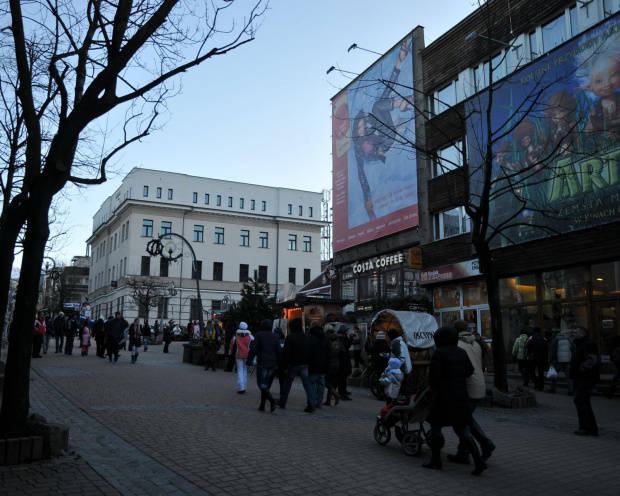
[391, 379]
[615, 356]
[58, 325]
[197, 331]
[146, 334]
[447, 372]
[176, 332]
[319, 358]
[400, 350]
[114, 333]
[296, 355]
[584, 371]
[211, 344]
[344, 365]
[241, 341]
[357, 345]
[156, 328]
[333, 363]
[487, 359]
[266, 348]
[562, 349]
[168, 335]
[39, 331]
[476, 390]
[518, 352]
[47, 337]
[136, 334]
[85, 340]
[536, 352]
[99, 335]
[280, 371]
[70, 330]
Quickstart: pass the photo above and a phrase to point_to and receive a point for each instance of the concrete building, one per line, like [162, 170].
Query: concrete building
[66, 288]
[236, 230]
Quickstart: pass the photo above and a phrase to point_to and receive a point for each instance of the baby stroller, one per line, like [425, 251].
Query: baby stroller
[407, 418]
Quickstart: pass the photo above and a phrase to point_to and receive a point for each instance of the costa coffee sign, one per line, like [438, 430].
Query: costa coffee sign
[379, 262]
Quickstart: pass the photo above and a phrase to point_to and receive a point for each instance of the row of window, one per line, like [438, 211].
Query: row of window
[218, 236]
[113, 242]
[158, 192]
[218, 271]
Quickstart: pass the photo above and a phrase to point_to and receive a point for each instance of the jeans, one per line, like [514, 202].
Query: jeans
[60, 341]
[301, 371]
[582, 400]
[562, 367]
[45, 340]
[145, 340]
[534, 366]
[263, 374]
[242, 374]
[477, 433]
[317, 381]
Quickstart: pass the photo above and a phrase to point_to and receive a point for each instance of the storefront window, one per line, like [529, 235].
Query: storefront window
[448, 318]
[515, 319]
[368, 288]
[517, 289]
[348, 290]
[390, 282]
[563, 317]
[606, 279]
[447, 297]
[475, 293]
[567, 283]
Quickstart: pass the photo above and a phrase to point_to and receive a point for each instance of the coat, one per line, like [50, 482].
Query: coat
[242, 340]
[448, 370]
[319, 351]
[266, 347]
[296, 348]
[476, 385]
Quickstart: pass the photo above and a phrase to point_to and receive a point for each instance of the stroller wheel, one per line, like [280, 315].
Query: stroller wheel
[382, 433]
[411, 443]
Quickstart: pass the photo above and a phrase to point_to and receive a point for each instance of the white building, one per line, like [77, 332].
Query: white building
[235, 229]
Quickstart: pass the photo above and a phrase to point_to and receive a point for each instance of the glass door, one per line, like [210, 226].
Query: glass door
[606, 318]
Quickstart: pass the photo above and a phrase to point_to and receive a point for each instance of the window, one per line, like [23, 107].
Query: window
[447, 159]
[244, 272]
[163, 267]
[166, 228]
[115, 239]
[554, 33]
[197, 270]
[245, 237]
[291, 274]
[206, 198]
[158, 192]
[219, 200]
[301, 210]
[610, 7]
[307, 243]
[264, 240]
[169, 194]
[230, 201]
[263, 206]
[290, 209]
[445, 98]
[533, 45]
[574, 20]
[219, 236]
[309, 211]
[218, 269]
[306, 276]
[499, 67]
[194, 197]
[194, 309]
[451, 223]
[292, 242]
[262, 273]
[145, 266]
[122, 233]
[514, 58]
[241, 203]
[199, 234]
[252, 205]
[145, 191]
[147, 228]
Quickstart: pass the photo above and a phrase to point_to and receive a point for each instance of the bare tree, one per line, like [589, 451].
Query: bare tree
[74, 65]
[147, 293]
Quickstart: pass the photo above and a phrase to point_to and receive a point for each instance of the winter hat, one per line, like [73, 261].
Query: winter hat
[243, 326]
[460, 325]
[296, 325]
[328, 328]
[394, 363]
[266, 325]
[380, 335]
[446, 336]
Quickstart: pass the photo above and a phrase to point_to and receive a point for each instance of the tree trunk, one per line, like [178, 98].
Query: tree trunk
[16, 394]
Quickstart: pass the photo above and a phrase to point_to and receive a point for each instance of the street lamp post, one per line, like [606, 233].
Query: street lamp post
[156, 248]
[171, 292]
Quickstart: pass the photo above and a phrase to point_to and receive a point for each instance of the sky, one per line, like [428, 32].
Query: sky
[262, 114]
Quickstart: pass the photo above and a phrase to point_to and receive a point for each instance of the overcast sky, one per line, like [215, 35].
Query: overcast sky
[261, 114]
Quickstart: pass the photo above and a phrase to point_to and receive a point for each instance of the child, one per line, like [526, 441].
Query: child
[391, 379]
[85, 339]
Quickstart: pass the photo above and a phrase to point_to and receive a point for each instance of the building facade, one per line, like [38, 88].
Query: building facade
[553, 243]
[237, 231]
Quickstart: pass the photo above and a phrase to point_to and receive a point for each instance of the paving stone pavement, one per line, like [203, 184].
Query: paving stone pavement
[165, 427]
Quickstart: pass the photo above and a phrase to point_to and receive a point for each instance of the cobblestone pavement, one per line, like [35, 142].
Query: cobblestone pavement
[165, 427]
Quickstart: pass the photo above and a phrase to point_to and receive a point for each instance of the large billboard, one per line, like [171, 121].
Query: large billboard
[374, 168]
[555, 141]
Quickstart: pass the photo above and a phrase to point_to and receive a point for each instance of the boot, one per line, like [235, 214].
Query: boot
[263, 399]
[336, 397]
[479, 464]
[435, 443]
[133, 358]
[328, 400]
[271, 400]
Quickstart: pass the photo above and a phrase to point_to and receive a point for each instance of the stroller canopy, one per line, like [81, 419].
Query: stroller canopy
[417, 329]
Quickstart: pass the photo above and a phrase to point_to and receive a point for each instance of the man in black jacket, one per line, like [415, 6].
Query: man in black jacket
[584, 371]
[58, 328]
[114, 330]
[297, 357]
[319, 358]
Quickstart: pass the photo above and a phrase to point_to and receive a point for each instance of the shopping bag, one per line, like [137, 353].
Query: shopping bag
[552, 374]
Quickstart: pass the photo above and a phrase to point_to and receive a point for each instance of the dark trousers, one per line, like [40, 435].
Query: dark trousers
[37, 343]
[112, 349]
[582, 399]
[523, 371]
[166, 344]
[69, 343]
[534, 366]
[100, 348]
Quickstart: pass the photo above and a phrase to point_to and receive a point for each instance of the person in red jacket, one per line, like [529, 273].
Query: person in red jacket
[39, 331]
[242, 340]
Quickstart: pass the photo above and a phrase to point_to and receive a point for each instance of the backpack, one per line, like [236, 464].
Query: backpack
[335, 347]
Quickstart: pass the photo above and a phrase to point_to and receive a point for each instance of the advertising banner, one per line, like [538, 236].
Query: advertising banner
[374, 168]
[555, 137]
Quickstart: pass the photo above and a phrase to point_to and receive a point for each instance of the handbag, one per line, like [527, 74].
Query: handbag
[552, 374]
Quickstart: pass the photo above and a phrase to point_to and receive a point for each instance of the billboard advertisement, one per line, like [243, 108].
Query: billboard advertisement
[374, 169]
[555, 140]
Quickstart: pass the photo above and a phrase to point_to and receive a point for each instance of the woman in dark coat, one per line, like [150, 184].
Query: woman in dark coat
[448, 369]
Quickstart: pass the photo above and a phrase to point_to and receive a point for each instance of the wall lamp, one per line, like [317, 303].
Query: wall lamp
[365, 49]
[475, 34]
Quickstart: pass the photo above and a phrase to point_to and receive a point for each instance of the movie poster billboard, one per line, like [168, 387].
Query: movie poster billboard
[374, 169]
[555, 136]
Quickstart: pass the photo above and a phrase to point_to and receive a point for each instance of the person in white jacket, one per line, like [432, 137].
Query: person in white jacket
[477, 390]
